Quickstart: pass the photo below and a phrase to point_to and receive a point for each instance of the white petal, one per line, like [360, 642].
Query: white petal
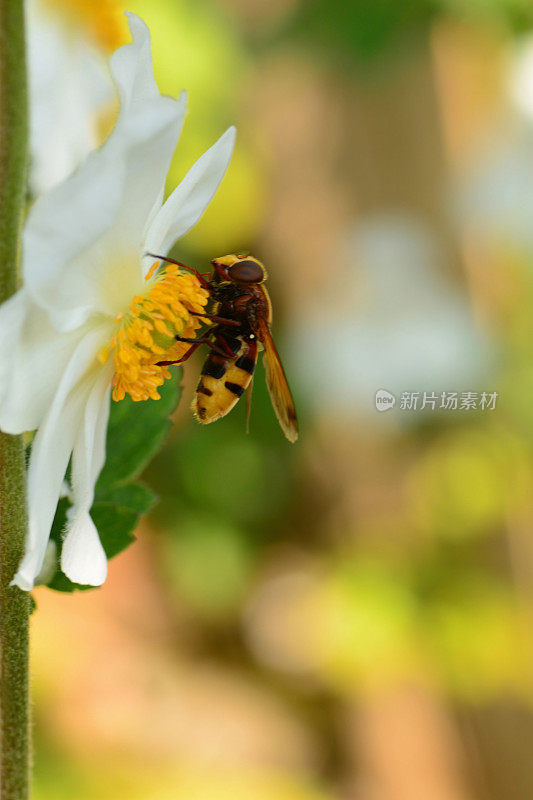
[33, 357]
[131, 66]
[85, 235]
[83, 559]
[189, 200]
[50, 454]
[64, 224]
[151, 124]
[49, 567]
[88, 456]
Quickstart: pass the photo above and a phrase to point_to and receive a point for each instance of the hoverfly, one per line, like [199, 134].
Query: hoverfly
[241, 317]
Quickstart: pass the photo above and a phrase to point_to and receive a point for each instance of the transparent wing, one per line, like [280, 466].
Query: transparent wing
[280, 394]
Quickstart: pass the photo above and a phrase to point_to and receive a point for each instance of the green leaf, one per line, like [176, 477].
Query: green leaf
[133, 496]
[116, 518]
[135, 432]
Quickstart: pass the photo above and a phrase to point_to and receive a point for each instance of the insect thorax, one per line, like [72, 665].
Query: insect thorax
[227, 292]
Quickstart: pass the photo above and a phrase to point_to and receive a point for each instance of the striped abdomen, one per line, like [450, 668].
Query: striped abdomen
[223, 381]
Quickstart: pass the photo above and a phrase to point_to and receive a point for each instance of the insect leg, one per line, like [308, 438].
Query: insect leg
[219, 320]
[208, 342]
[224, 346]
[184, 357]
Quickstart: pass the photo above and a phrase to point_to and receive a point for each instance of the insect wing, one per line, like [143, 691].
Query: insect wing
[280, 394]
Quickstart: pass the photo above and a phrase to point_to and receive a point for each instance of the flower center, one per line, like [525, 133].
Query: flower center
[103, 21]
[147, 330]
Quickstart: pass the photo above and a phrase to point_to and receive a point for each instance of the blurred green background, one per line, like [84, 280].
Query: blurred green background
[349, 617]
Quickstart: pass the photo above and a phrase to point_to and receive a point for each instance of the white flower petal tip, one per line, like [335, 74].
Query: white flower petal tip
[229, 136]
[22, 580]
[191, 197]
[136, 24]
[32, 563]
[83, 559]
[131, 64]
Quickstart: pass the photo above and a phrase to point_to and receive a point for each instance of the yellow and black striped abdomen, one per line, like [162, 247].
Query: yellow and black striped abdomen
[222, 382]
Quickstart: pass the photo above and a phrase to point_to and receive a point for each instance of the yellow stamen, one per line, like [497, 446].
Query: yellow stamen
[147, 331]
[152, 270]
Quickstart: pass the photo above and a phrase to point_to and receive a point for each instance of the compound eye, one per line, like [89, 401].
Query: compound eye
[246, 271]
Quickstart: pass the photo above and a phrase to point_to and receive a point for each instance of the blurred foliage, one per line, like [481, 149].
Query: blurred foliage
[464, 484]
[207, 551]
[365, 29]
[112, 781]
[362, 28]
[370, 622]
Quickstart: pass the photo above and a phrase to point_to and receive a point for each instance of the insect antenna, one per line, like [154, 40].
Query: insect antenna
[170, 260]
[199, 275]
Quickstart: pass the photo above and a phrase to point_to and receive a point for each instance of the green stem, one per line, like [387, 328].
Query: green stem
[14, 604]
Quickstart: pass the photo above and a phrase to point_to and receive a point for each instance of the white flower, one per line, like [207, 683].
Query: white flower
[82, 321]
[69, 85]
